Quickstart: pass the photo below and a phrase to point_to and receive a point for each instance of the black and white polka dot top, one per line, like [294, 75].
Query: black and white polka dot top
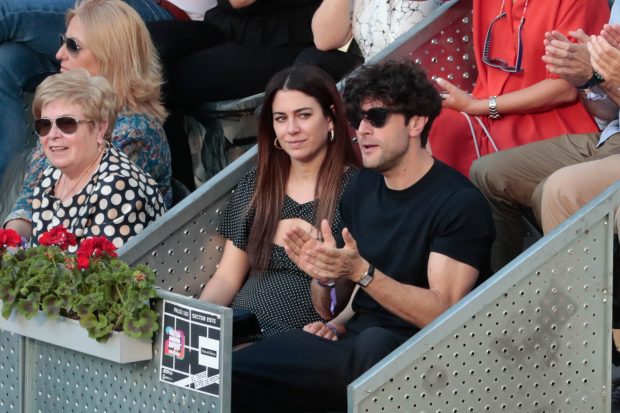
[118, 202]
[279, 296]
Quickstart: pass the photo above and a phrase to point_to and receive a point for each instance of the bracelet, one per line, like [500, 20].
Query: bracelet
[330, 284]
[493, 112]
[332, 328]
[332, 294]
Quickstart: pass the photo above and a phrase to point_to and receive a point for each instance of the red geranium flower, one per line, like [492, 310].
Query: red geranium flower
[58, 236]
[94, 247]
[83, 262]
[9, 238]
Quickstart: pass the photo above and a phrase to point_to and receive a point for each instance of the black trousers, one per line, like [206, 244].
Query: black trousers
[299, 372]
[338, 64]
[202, 65]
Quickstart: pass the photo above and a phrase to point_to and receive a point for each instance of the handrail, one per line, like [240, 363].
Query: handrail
[541, 328]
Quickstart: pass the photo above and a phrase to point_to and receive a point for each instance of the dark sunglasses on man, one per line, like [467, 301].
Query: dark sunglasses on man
[66, 124]
[71, 44]
[377, 117]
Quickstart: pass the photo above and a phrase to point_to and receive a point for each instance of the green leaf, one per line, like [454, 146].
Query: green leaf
[7, 309]
[28, 307]
[142, 326]
[51, 306]
[7, 294]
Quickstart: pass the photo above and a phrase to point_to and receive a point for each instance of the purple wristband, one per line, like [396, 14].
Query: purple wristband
[332, 305]
[332, 295]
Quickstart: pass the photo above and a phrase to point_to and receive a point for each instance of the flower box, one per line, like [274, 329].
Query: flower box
[68, 333]
[40, 283]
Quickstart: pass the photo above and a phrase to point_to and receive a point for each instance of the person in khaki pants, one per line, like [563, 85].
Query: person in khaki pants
[535, 175]
[558, 176]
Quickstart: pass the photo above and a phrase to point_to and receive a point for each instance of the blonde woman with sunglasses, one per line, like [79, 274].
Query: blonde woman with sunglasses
[28, 42]
[91, 188]
[108, 38]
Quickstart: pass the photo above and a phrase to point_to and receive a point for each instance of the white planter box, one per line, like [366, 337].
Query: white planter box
[67, 333]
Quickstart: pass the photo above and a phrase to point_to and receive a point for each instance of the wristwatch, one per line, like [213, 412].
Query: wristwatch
[493, 113]
[367, 277]
[593, 81]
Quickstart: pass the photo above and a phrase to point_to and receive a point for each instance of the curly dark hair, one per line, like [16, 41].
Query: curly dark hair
[400, 84]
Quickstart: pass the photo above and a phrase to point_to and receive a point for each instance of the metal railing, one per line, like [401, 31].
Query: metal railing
[536, 337]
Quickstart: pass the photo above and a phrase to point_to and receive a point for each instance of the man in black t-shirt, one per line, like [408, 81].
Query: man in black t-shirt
[417, 239]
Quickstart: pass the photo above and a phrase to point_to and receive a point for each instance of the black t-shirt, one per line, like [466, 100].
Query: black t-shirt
[397, 230]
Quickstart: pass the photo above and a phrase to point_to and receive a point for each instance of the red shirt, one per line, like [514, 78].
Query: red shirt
[540, 17]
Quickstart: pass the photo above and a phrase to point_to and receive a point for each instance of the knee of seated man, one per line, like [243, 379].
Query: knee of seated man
[481, 173]
[558, 185]
[370, 346]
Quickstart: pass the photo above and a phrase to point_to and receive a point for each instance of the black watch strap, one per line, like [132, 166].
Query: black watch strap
[593, 81]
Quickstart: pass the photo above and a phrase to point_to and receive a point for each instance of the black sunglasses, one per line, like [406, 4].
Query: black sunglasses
[72, 45]
[377, 117]
[497, 62]
[66, 124]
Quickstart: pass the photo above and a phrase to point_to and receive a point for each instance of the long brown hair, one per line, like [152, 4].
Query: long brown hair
[274, 165]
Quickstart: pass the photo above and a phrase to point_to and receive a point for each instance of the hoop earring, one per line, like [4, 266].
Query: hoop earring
[106, 145]
[331, 135]
[275, 143]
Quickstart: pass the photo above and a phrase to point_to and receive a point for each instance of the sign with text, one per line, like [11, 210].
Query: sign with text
[190, 348]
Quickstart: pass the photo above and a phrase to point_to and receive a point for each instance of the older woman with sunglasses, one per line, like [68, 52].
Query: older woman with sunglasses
[515, 100]
[95, 32]
[91, 187]
[28, 42]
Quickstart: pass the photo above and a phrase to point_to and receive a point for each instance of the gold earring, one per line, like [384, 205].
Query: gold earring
[104, 146]
[331, 135]
[275, 143]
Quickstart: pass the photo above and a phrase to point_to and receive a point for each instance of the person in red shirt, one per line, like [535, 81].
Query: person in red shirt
[515, 100]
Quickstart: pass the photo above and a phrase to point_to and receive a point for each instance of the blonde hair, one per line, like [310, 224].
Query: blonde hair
[93, 94]
[120, 42]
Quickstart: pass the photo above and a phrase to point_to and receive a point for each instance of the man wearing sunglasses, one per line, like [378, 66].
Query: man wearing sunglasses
[417, 239]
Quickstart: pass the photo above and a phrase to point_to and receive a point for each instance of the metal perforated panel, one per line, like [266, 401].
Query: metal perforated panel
[450, 54]
[185, 260]
[10, 373]
[183, 247]
[60, 380]
[541, 344]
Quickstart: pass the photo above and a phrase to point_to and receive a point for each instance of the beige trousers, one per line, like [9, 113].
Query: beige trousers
[514, 179]
[570, 188]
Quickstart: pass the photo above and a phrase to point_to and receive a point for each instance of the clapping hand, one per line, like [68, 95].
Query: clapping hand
[570, 61]
[605, 57]
[324, 261]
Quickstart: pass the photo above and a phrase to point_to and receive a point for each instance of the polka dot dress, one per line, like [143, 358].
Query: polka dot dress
[377, 23]
[118, 202]
[280, 296]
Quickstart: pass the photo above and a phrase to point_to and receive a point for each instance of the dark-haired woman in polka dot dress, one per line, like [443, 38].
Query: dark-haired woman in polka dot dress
[305, 159]
[92, 188]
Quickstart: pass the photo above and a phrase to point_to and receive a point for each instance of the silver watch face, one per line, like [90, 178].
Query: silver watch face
[365, 280]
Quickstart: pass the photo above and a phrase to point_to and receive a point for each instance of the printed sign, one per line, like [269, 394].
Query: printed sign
[190, 348]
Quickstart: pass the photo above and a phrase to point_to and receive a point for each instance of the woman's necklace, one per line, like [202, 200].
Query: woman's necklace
[65, 194]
